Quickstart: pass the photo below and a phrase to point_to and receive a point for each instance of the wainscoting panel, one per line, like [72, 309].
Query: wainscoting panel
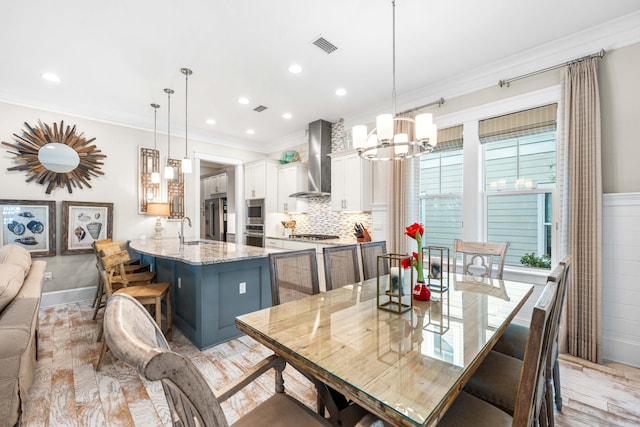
[620, 278]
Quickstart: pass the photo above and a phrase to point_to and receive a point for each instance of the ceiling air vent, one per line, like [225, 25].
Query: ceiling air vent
[324, 44]
[260, 108]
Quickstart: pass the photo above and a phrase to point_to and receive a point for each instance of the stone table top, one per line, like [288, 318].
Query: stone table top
[199, 252]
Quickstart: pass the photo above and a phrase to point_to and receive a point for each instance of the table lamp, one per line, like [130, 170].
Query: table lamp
[158, 209]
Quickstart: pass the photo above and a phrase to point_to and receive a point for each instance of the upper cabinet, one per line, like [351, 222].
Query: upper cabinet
[215, 184]
[260, 182]
[292, 178]
[351, 182]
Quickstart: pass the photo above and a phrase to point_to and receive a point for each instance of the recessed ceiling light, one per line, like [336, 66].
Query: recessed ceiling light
[340, 92]
[295, 69]
[243, 101]
[211, 122]
[287, 116]
[251, 131]
[51, 77]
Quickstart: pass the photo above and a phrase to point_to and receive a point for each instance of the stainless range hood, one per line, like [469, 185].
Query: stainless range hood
[319, 161]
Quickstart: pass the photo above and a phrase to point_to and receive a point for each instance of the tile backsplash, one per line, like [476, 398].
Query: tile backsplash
[322, 220]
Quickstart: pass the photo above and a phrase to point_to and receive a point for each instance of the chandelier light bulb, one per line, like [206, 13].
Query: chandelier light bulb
[401, 146]
[384, 125]
[424, 123]
[359, 136]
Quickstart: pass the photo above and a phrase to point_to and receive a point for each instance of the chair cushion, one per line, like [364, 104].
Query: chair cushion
[468, 410]
[281, 410]
[513, 341]
[14, 254]
[496, 381]
[11, 279]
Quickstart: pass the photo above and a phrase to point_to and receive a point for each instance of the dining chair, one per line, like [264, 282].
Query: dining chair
[294, 275]
[340, 266]
[137, 340]
[513, 341]
[478, 258]
[505, 391]
[148, 294]
[370, 252]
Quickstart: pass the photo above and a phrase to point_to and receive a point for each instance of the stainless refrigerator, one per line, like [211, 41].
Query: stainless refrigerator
[215, 217]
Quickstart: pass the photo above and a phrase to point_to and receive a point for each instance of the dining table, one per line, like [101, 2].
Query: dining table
[405, 368]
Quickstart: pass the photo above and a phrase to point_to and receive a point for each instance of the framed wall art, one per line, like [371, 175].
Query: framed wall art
[30, 224]
[83, 223]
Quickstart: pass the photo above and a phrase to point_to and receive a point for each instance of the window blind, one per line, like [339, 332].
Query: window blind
[527, 122]
[449, 139]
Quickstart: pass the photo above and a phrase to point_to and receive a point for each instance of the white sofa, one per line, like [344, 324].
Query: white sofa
[21, 283]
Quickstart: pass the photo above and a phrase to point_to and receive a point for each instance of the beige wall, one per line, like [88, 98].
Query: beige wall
[620, 109]
[118, 185]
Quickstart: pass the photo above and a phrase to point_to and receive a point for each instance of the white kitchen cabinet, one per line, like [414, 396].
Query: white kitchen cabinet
[215, 184]
[292, 178]
[351, 183]
[261, 182]
[220, 183]
[273, 243]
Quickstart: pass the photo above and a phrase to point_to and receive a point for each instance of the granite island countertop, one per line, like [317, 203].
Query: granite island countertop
[203, 253]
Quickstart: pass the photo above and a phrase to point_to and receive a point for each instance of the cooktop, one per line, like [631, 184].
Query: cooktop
[313, 236]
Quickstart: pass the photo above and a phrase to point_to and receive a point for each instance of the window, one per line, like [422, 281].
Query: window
[519, 182]
[441, 189]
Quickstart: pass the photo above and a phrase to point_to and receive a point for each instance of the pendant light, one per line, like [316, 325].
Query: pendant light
[168, 170]
[155, 175]
[186, 162]
[382, 143]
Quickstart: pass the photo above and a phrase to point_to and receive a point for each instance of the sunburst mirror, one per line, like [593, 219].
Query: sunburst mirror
[56, 156]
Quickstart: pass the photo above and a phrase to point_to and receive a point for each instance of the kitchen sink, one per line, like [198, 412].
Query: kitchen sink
[198, 242]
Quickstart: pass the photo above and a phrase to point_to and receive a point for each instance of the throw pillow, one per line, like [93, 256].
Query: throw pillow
[14, 254]
[11, 278]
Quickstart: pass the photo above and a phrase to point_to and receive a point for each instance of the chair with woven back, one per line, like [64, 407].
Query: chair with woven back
[132, 266]
[478, 258]
[505, 391]
[137, 285]
[370, 252]
[341, 266]
[294, 275]
[513, 341]
[135, 339]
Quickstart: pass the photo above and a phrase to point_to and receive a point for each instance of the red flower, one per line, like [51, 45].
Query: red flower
[406, 263]
[413, 229]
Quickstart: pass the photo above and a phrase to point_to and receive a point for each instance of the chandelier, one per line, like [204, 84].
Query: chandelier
[417, 136]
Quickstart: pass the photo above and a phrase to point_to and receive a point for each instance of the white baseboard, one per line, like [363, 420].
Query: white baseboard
[620, 351]
[49, 299]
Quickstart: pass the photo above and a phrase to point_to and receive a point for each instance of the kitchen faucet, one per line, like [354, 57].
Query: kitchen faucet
[182, 229]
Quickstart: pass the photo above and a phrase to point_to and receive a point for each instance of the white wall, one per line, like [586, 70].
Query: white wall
[119, 185]
[620, 266]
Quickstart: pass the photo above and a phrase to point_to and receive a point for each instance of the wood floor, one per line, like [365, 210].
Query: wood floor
[68, 392]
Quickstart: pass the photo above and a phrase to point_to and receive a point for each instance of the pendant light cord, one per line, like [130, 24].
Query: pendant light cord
[155, 125]
[393, 93]
[168, 92]
[187, 72]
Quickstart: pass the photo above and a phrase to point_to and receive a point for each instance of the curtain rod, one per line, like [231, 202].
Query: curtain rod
[506, 82]
[438, 102]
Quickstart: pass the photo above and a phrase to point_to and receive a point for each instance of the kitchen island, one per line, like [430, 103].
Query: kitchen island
[213, 282]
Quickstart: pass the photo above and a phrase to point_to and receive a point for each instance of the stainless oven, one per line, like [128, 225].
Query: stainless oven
[255, 211]
[254, 235]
